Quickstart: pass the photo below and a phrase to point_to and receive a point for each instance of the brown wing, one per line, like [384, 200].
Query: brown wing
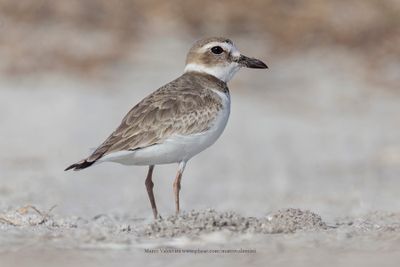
[172, 109]
[185, 106]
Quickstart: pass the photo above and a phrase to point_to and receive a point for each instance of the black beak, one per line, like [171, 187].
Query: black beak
[252, 63]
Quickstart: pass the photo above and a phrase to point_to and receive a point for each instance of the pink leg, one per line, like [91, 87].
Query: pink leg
[177, 185]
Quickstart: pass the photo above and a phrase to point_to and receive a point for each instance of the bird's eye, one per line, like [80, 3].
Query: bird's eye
[217, 50]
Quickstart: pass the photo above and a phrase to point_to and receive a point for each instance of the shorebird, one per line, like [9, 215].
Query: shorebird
[180, 119]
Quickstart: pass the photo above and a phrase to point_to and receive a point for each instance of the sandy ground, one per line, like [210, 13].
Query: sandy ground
[312, 133]
[286, 237]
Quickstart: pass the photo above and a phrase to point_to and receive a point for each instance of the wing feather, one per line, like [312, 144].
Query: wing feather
[175, 109]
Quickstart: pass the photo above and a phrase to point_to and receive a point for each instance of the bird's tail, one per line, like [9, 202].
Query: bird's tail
[80, 165]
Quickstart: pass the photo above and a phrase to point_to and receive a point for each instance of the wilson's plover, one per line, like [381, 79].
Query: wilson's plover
[180, 119]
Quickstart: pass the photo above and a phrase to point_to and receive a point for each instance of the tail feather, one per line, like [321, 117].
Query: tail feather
[80, 165]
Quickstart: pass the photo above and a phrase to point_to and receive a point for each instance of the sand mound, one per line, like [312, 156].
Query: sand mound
[206, 221]
[189, 224]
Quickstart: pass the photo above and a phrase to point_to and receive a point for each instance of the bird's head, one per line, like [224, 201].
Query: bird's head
[219, 57]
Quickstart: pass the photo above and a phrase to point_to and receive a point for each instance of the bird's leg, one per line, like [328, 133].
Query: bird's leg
[149, 187]
[177, 185]
[177, 188]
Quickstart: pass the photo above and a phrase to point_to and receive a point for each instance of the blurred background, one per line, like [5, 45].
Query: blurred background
[319, 130]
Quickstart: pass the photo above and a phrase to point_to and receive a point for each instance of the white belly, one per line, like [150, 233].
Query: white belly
[177, 148]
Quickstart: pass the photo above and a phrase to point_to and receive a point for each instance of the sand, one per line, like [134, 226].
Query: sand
[290, 236]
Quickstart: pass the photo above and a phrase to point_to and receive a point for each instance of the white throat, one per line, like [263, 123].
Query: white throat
[224, 73]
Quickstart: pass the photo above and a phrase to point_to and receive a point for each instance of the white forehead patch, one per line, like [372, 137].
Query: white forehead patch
[226, 46]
